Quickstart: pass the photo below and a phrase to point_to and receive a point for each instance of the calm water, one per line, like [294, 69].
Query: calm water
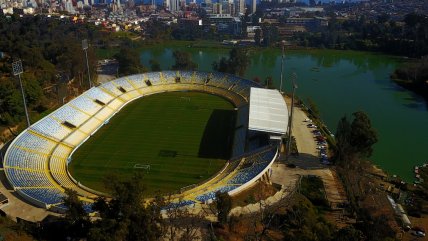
[342, 82]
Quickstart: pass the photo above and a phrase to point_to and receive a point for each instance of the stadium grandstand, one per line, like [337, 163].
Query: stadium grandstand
[36, 162]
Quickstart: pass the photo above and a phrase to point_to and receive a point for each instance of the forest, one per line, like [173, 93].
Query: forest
[52, 56]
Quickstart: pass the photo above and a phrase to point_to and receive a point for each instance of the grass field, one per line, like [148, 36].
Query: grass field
[185, 137]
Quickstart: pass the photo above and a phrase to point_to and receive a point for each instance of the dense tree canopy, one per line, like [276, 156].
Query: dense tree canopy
[236, 64]
[356, 139]
[385, 34]
[224, 205]
[77, 219]
[363, 136]
[129, 61]
[183, 61]
[125, 216]
[414, 76]
[46, 46]
[343, 140]
[155, 65]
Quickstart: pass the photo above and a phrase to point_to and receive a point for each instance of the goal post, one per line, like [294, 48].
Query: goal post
[142, 166]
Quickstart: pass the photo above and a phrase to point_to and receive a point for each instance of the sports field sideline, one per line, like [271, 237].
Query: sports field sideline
[176, 138]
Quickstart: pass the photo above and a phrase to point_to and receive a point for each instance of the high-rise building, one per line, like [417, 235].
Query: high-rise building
[240, 7]
[217, 8]
[231, 8]
[225, 7]
[254, 6]
[130, 4]
[174, 5]
[69, 6]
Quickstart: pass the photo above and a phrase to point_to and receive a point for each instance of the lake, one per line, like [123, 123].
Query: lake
[340, 82]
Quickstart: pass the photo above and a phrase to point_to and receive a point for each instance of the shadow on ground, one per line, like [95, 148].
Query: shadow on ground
[305, 161]
[218, 135]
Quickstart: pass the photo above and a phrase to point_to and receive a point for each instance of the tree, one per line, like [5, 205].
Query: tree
[76, 218]
[270, 35]
[354, 140]
[376, 228]
[183, 61]
[11, 110]
[343, 141]
[129, 61]
[257, 36]
[303, 222]
[412, 19]
[236, 64]
[33, 90]
[313, 109]
[348, 234]
[269, 83]
[224, 205]
[125, 216]
[154, 65]
[181, 223]
[363, 136]
[383, 18]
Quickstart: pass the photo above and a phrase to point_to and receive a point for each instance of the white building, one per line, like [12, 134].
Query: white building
[240, 6]
[254, 6]
[174, 5]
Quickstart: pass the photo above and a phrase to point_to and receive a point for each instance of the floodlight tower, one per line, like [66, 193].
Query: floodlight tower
[85, 48]
[282, 64]
[290, 122]
[18, 70]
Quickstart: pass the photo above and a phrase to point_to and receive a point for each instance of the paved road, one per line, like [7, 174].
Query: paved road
[305, 141]
[304, 137]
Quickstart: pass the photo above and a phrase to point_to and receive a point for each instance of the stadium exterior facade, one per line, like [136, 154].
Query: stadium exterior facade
[36, 162]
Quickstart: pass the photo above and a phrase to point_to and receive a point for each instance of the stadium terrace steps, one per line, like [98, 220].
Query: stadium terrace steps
[75, 138]
[239, 176]
[97, 94]
[136, 81]
[36, 161]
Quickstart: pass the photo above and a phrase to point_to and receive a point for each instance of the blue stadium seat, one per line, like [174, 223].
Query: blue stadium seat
[85, 104]
[45, 195]
[211, 195]
[71, 115]
[124, 84]
[24, 178]
[97, 94]
[52, 128]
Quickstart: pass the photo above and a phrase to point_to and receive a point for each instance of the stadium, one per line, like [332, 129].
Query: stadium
[192, 133]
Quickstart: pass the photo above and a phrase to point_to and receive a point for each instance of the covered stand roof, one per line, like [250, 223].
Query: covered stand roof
[268, 111]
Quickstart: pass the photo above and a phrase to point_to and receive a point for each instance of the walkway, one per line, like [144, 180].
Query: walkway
[19, 208]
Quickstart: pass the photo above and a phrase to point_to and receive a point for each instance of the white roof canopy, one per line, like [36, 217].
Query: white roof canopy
[268, 111]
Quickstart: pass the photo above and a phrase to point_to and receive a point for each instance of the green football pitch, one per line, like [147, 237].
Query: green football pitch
[175, 139]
